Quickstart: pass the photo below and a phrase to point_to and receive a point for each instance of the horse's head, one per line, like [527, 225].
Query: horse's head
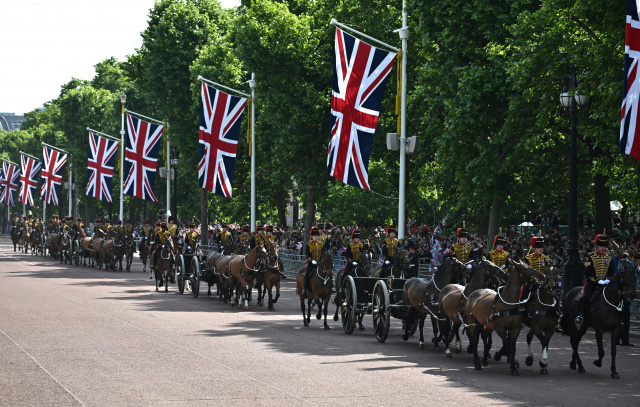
[492, 271]
[552, 275]
[273, 261]
[626, 279]
[458, 268]
[326, 263]
[527, 273]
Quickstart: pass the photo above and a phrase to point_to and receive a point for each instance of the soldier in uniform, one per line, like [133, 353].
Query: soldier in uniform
[269, 237]
[538, 260]
[599, 271]
[258, 237]
[163, 235]
[15, 221]
[224, 238]
[118, 227]
[147, 229]
[462, 249]
[172, 228]
[192, 238]
[314, 251]
[414, 260]
[79, 228]
[498, 255]
[107, 227]
[23, 222]
[50, 226]
[245, 237]
[389, 251]
[353, 253]
[323, 236]
[128, 229]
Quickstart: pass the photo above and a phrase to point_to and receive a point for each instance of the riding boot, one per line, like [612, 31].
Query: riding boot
[306, 288]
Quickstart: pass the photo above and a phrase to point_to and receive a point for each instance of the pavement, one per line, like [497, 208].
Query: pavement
[77, 336]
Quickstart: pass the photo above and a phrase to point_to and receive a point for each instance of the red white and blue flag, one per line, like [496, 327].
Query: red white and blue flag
[220, 119]
[9, 182]
[629, 127]
[102, 159]
[360, 77]
[141, 157]
[29, 178]
[52, 171]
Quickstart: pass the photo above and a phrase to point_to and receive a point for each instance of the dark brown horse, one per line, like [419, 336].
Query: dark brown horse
[269, 277]
[606, 314]
[163, 266]
[320, 284]
[25, 239]
[16, 232]
[213, 276]
[361, 270]
[499, 311]
[242, 270]
[129, 249]
[453, 299]
[422, 297]
[542, 313]
[35, 240]
[145, 248]
[399, 267]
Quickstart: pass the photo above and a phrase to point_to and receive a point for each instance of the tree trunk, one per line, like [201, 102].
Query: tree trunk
[204, 219]
[282, 211]
[87, 217]
[494, 219]
[311, 212]
[602, 196]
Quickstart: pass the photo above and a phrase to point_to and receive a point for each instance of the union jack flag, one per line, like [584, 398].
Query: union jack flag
[360, 77]
[141, 157]
[631, 85]
[102, 158]
[220, 118]
[54, 163]
[29, 178]
[9, 182]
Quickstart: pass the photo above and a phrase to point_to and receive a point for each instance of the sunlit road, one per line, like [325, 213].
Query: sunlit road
[79, 336]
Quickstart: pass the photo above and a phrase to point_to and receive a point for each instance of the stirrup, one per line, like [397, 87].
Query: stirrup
[579, 320]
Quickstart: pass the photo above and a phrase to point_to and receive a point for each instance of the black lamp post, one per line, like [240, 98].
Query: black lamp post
[570, 98]
[175, 160]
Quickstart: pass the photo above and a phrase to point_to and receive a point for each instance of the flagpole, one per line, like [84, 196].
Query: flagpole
[144, 117]
[102, 134]
[404, 35]
[70, 189]
[123, 99]
[200, 78]
[168, 181]
[252, 85]
[346, 27]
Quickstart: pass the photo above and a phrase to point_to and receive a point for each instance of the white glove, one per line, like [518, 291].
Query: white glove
[469, 266]
[602, 282]
[606, 281]
[354, 263]
[188, 247]
[387, 262]
[314, 262]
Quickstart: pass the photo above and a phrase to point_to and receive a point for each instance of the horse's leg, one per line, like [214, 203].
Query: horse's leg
[408, 323]
[513, 338]
[436, 336]
[248, 287]
[445, 330]
[304, 318]
[529, 360]
[486, 341]
[599, 334]
[268, 289]
[309, 310]
[277, 284]
[337, 300]
[474, 335]
[325, 306]
[320, 304]
[544, 340]
[615, 334]
[504, 350]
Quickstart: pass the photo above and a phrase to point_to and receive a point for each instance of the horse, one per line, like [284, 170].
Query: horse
[421, 297]
[118, 249]
[24, 239]
[86, 250]
[361, 270]
[108, 251]
[212, 276]
[400, 265]
[63, 246]
[35, 240]
[489, 310]
[453, 297]
[541, 315]
[241, 270]
[320, 284]
[269, 277]
[15, 237]
[129, 249]
[145, 249]
[52, 240]
[163, 265]
[606, 314]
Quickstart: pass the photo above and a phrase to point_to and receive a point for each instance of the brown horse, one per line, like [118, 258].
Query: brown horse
[129, 249]
[212, 276]
[63, 246]
[96, 249]
[16, 232]
[453, 298]
[145, 249]
[118, 250]
[52, 239]
[320, 284]
[422, 297]
[242, 270]
[361, 270]
[25, 239]
[163, 266]
[35, 240]
[606, 314]
[86, 250]
[542, 313]
[499, 311]
[399, 267]
[269, 277]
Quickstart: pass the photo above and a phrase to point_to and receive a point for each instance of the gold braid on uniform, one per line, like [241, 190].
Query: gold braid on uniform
[538, 262]
[499, 258]
[356, 251]
[600, 265]
[462, 252]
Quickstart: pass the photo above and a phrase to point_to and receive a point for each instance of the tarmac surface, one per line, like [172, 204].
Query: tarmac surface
[76, 336]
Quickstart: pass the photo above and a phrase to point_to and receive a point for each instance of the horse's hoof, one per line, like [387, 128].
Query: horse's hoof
[361, 327]
[437, 348]
[306, 324]
[478, 366]
[485, 361]
[434, 340]
[335, 317]
[420, 345]
[318, 316]
[326, 327]
[271, 309]
[581, 370]
[544, 371]
[497, 356]
[405, 337]
[598, 363]
[260, 303]
[517, 364]
[528, 361]
[448, 355]
[615, 375]
[469, 349]
[572, 365]
[308, 320]
[458, 347]
[514, 372]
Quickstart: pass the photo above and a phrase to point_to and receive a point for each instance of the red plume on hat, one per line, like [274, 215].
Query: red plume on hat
[533, 241]
[601, 240]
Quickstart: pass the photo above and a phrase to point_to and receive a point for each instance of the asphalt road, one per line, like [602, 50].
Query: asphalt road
[79, 336]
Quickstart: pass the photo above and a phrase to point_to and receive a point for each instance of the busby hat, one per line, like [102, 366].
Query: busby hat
[315, 232]
[499, 239]
[98, 220]
[224, 225]
[118, 222]
[537, 241]
[158, 223]
[462, 232]
[146, 221]
[269, 228]
[192, 225]
[127, 221]
[355, 234]
[411, 245]
[245, 228]
[259, 228]
[163, 226]
[601, 240]
[170, 219]
[320, 225]
[79, 219]
[391, 229]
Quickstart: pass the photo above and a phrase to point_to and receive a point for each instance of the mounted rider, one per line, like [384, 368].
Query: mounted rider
[128, 232]
[314, 251]
[79, 229]
[538, 260]
[498, 255]
[245, 237]
[162, 237]
[155, 241]
[147, 230]
[224, 238]
[414, 259]
[24, 223]
[118, 227]
[354, 252]
[599, 271]
[389, 251]
[15, 220]
[192, 239]
[172, 227]
[462, 249]
[323, 237]
[258, 237]
[269, 237]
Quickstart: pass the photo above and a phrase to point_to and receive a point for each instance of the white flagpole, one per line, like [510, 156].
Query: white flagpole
[404, 35]
[123, 99]
[252, 85]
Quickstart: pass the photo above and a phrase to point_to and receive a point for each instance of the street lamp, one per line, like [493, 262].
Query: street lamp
[175, 160]
[570, 98]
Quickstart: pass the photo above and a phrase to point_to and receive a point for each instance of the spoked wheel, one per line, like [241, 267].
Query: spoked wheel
[195, 277]
[180, 274]
[349, 303]
[380, 311]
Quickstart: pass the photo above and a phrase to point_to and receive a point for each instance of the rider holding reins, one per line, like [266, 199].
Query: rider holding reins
[353, 253]
[314, 251]
[598, 270]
